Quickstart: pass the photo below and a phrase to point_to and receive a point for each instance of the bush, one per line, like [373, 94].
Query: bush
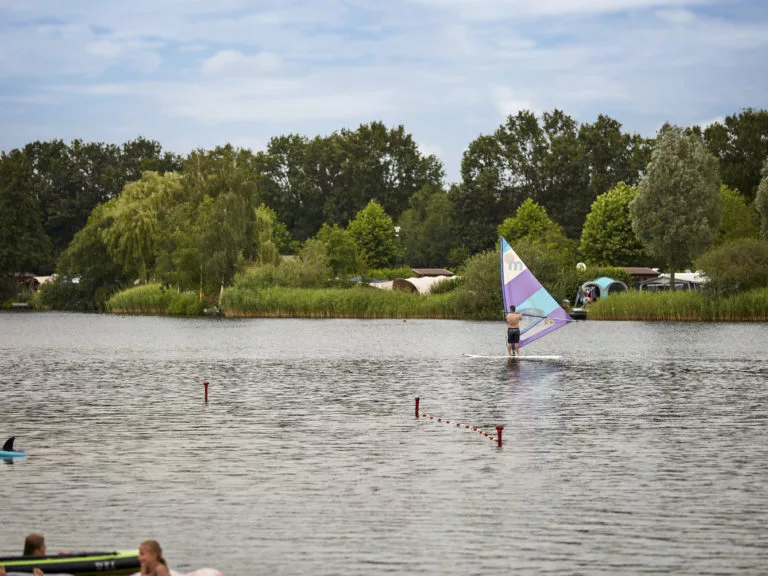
[61, 293]
[186, 304]
[145, 299]
[311, 269]
[446, 285]
[736, 266]
[480, 293]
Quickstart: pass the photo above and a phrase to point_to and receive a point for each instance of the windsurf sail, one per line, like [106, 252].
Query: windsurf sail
[541, 313]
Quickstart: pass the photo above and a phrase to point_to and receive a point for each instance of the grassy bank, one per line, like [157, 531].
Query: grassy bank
[366, 302]
[360, 302]
[153, 300]
[749, 306]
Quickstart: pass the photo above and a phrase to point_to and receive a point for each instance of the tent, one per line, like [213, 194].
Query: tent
[599, 288]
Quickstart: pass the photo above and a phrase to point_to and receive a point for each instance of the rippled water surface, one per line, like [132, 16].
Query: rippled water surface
[643, 450]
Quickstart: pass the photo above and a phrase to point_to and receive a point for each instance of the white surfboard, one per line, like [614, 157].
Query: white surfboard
[520, 357]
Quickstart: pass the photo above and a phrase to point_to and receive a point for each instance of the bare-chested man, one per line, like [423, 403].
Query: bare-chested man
[513, 331]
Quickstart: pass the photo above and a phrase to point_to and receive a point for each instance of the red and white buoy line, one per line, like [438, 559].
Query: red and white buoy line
[496, 438]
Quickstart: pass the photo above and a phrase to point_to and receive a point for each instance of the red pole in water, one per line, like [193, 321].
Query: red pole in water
[417, 406]
[205, 384]
[498, 436]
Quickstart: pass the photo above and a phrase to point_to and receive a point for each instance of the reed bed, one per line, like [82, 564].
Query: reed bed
[688, 306]
[155, 300]
[280, 302]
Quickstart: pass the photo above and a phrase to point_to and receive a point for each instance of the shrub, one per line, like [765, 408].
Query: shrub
[480, 293]
[736, 266]
[446, 285]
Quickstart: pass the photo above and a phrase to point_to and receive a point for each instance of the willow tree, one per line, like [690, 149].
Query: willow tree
[264, 236]
[137, 217]
[678, 207]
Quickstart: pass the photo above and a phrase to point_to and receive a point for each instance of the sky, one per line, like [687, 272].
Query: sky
[202, 73]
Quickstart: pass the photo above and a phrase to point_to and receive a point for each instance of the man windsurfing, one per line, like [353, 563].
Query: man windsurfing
[513, 332]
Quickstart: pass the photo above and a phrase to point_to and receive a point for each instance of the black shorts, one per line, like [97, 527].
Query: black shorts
[513, 335]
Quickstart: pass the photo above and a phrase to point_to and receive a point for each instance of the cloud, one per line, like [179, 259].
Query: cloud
[193, 72]
[507, 104]
[430, 149]
[495, 9]
[707, 123]
[676, 16]
[233, 63]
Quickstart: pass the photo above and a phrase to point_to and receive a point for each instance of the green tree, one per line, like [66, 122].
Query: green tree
[479, 295]
[330, 179]
[375, 236]
[761, 201]
[72, 179]
[480, 198]
[87, 260]
[740, 143]
[137, 217]
[286, 186]
[551, 267]
[530, 220]
[218, 236]
[426, 229]
[378, 164]
[553, 161]
[612, 155]
[607, 237]
[678, 208]
[739, 219]
[24, 247]
[736, 266]
[341, 249]
[264, 232]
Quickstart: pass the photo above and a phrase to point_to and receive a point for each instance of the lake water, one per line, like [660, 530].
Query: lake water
[643, 450]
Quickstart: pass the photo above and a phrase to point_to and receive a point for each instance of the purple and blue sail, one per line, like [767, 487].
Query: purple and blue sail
[541, 313]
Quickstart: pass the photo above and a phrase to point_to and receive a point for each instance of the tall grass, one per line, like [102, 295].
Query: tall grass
[359, 302]
[154, 299]
[682, 306]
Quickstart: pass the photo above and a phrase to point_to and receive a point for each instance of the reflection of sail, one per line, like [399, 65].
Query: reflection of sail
[541, 313]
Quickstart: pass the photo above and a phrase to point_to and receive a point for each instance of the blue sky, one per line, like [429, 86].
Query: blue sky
[193, 73]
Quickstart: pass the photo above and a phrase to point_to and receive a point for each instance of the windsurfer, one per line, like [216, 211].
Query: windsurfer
[513, 332]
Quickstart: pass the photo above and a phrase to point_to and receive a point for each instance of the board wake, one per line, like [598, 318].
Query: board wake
[521, 357]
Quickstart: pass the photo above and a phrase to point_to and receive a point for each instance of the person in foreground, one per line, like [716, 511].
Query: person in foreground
[151, 559]
[34, 545]
[513, 332]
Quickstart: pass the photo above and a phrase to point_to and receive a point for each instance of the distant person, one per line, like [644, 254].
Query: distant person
[513, 332]
[151, 559]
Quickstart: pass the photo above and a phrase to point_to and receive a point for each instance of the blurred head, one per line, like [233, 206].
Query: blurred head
[34, 545]
[150, 554]
[511, 308]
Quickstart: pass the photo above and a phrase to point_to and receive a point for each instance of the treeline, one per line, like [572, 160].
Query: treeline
[113, 215]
